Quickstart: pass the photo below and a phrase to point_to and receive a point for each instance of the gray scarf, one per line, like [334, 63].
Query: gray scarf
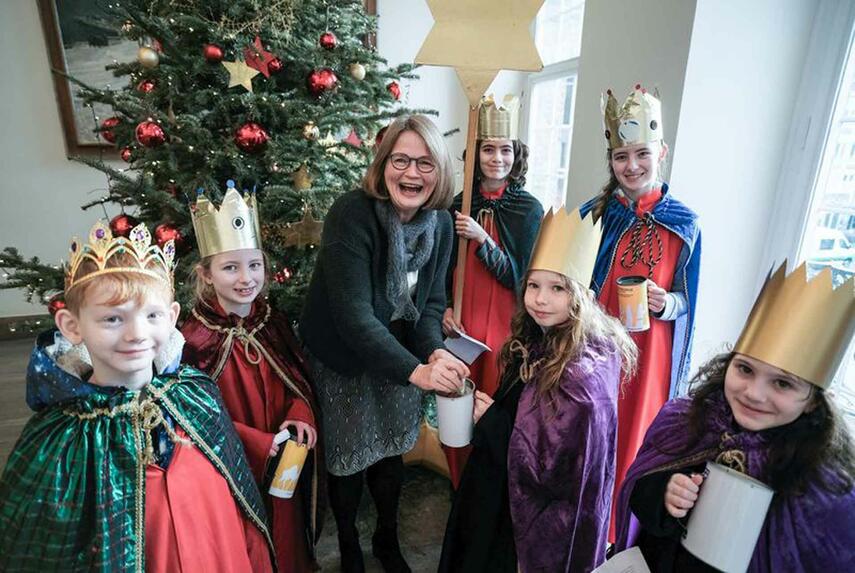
[410, 246]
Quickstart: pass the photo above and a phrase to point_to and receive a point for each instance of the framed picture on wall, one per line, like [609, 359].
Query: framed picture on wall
[79, 48]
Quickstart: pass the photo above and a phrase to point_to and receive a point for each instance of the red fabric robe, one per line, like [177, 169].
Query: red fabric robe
[486, 314]
[643, 395]
[263, 378]
[184, 536]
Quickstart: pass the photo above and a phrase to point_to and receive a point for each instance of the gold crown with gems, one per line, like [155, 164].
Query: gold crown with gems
[567, 244]
[232, 226]
[138, 255]
[801, 326]
[638, 120]
[499, 121]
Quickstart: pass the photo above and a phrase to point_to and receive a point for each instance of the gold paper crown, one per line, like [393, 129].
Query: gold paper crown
[102, 247]
[567, 244]
[638, 120]
[801, 326]
[499, 122]
[233, 226]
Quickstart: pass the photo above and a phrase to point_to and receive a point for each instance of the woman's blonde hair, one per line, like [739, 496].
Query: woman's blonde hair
[374, 182]
[204, 293]
[563, 343]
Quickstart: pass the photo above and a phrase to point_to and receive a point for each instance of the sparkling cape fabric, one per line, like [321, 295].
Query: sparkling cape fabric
[72, 493]
[810, 532]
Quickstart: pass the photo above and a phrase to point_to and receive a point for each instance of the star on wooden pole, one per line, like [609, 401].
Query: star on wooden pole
[464, 37]
[240, 74]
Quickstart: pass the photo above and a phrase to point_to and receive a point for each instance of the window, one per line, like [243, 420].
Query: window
[828, 232]
[551, 96]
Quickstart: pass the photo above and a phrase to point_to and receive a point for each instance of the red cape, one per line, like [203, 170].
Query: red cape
[263, 377]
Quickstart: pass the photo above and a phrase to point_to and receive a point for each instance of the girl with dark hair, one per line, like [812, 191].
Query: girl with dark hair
[501, 234]
[647, 233]
[763, 410]
[536, 492]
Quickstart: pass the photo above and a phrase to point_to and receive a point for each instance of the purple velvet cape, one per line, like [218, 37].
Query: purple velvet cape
[561, 466]
[811, 532]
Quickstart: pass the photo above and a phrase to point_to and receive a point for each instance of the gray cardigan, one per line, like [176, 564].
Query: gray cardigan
[345, 322]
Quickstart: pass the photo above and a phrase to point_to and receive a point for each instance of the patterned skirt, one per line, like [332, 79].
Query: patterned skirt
[365, 418]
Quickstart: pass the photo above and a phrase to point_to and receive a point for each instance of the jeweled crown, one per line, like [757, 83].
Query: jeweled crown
[138, 254]
[801, 326]
[499, 121]
[638, 120]
[567, 244]
[232, 226]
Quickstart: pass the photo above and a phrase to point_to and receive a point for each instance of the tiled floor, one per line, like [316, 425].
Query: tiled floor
[424, 503]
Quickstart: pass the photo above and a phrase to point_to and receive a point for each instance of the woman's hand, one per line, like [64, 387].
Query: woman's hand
[440, 353]
[449, 324]
[681, 494]
[304, 433]
[655, 297]
[442, 375]
[468, 228]
[482, 402]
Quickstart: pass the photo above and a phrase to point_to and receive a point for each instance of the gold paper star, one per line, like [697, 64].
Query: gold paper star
[240, 74]
[307, 232]
[464, 37]
[302, 179]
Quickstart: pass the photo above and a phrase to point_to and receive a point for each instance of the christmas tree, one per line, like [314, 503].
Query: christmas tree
[279, 96]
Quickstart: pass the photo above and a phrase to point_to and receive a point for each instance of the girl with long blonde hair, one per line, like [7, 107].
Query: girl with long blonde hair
[536, 491]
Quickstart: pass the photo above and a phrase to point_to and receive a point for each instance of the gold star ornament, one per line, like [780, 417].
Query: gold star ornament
[240, 74]
[464, 37]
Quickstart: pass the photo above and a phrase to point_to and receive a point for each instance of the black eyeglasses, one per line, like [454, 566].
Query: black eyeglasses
[401, 162]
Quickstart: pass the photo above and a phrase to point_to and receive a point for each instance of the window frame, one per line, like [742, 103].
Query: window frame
[550, 72]
[822, 73]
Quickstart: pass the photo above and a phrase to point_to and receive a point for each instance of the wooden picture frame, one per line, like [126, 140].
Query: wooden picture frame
[69, 54]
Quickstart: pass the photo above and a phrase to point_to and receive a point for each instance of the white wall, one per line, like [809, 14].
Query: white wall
[742, 79]
[625, 43]
[42, 191]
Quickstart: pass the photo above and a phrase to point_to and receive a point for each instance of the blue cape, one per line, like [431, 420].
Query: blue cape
[683, 222]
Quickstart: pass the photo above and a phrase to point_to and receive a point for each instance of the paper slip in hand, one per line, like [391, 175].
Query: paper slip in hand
[281, 437]
[465, 347]
[629, 561]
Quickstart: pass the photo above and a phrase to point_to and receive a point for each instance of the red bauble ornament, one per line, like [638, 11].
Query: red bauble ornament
[167, 232]
[320, 81]
[121, 225]
[146, 86]
[172, 190]
[328, 41]
[107, 126]
[251, 137]
[150, 134]
[57, 303]
[213, 53]
[275, 66]
[282, 275]
[126, 154]
[394, 89]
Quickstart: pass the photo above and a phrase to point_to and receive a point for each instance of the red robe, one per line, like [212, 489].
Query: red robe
[261, 372]
[486, 313]
[184, 536]
[643, 395]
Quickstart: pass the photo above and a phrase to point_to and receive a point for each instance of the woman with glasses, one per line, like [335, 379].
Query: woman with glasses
[501, 231]
[372, 326]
